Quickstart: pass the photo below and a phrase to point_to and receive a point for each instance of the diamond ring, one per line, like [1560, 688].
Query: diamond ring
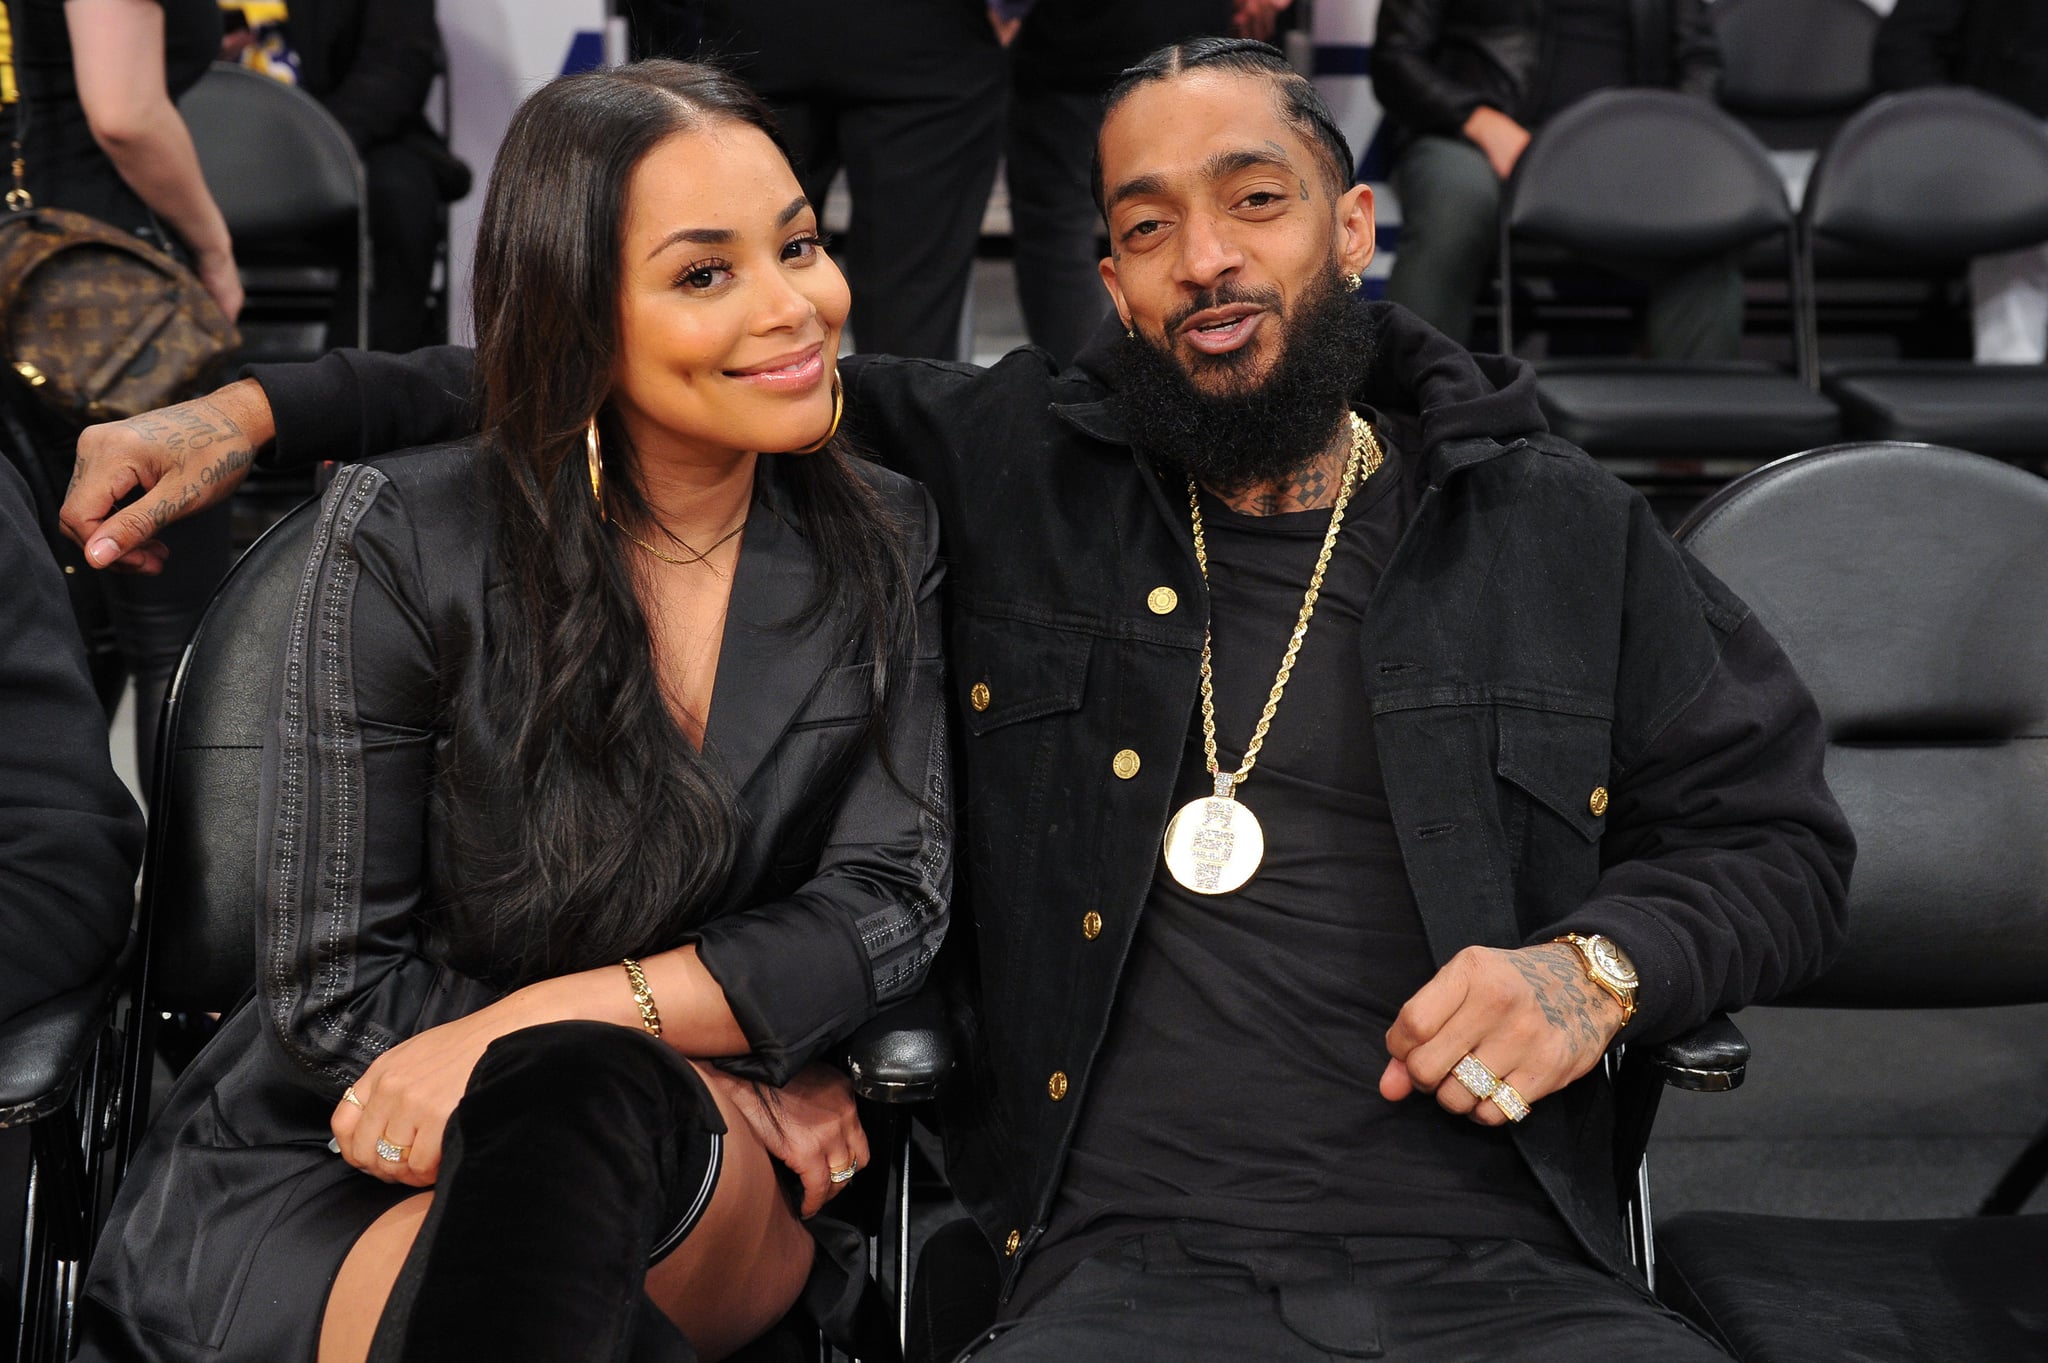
[842, 1175]
[1511, 1104]
[389, 1153]
[1478, 1080]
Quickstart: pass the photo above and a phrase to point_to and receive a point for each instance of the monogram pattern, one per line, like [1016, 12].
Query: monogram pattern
[100, 324]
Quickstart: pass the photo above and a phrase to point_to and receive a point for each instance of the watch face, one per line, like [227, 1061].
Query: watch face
[1611, 961]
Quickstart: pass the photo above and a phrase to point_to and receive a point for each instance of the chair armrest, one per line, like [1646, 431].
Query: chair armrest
[43, 1049]
[902, 1053]
[1711, 1058]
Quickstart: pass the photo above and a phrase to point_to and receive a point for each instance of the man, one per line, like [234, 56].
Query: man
[1516, 711]
[2000, 47]
[1467, 82]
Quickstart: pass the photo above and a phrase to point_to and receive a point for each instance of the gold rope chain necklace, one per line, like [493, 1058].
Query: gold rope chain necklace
[723, 540]
[1215, 844]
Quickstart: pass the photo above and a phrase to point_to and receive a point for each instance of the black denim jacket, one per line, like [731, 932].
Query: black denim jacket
[1535, 636]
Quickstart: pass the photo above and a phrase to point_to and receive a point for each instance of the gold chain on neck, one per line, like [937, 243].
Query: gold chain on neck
[1364, 461]
[723, 540]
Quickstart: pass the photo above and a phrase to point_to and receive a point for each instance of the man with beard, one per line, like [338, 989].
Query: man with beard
[1332, 739]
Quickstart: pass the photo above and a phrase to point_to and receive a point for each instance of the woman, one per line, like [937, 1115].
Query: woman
[601, 685]
[101, 135]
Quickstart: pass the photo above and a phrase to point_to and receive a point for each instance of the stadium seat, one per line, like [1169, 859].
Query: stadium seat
[289, 184]
[1655, 176]
[1792, 70]
[1907, 585]
[1932, 178]
[58, 1064]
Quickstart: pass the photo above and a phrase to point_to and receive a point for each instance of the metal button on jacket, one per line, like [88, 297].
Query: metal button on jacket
[978, 697]
[1010, 1244]
[1091, 925]
[1125, 764]
[1057, 1085]
[1163, 600]
[1598, 804]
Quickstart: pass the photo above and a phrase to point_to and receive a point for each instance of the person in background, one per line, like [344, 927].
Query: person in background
[2000, 47]
[1065, 57]
[70, 834]
[370, 63]
[908, 99]
[1467, 82]
[98, 82]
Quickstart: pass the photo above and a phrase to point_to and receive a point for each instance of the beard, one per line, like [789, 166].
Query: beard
[1213, 418]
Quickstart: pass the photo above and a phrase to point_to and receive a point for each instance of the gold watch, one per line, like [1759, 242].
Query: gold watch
[1609, 967]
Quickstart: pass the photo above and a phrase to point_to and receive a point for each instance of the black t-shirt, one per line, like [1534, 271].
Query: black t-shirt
[65, 167]
[1586, 49]
[1238, 1083]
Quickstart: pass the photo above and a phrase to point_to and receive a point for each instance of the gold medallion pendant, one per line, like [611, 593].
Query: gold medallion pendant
[1214, 844]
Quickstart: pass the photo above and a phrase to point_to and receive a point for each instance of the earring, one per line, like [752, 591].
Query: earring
[838, 411]
[1354, 281]
[1131, 331]
[590, 452]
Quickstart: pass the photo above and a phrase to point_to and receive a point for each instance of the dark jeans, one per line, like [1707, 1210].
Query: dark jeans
[1450, 240]
[1196, 1293]
[1055, 229]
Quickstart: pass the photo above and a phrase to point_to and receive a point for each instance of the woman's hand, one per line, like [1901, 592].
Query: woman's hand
[408, 1093]
[810, 1124]
[216, 270]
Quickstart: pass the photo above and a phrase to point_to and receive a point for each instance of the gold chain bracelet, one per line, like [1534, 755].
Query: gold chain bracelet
[650, 1016]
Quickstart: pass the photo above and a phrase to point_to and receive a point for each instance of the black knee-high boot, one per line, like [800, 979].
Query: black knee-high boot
[578, 1149]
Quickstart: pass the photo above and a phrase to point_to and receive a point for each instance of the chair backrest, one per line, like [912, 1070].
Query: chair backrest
[278, 164]
[201, 897]
[1909, 586]
[1646, 174]
[1934, 176]
[1794, 58]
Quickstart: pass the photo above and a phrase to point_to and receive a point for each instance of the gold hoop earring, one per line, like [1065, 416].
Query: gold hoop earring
[1354, 281]
[838, 411]
[591, 452]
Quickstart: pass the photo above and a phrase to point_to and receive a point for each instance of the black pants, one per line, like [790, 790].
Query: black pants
[1055, 229]
[911, 106]
[405, 231]
[1200, 1293]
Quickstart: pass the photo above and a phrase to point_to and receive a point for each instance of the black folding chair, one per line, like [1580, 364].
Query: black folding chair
[1909, 586]
[1792, 70]
[1931, 178]
[1655, 176]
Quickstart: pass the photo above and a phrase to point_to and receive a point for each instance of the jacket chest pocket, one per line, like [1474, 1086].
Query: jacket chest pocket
[1553, 769]
[1017, 686]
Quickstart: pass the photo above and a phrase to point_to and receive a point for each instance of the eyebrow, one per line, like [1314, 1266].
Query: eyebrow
[722, 236]
[1220, 166]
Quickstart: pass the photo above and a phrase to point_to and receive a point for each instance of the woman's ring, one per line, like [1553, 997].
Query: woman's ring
[348, 1095]
[842, 1175]
[389, 1153]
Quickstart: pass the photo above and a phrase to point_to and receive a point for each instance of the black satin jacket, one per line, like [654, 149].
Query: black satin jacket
[1435, 61]
[835, 905]
[1535, 637]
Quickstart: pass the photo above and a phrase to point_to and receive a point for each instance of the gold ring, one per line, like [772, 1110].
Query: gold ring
[389, 1153]
[1478, 1080]
[842, 1175]
[1511, 1103]
[348, 1095]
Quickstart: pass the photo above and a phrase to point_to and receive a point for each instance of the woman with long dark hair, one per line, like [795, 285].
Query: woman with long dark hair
[608, 746]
